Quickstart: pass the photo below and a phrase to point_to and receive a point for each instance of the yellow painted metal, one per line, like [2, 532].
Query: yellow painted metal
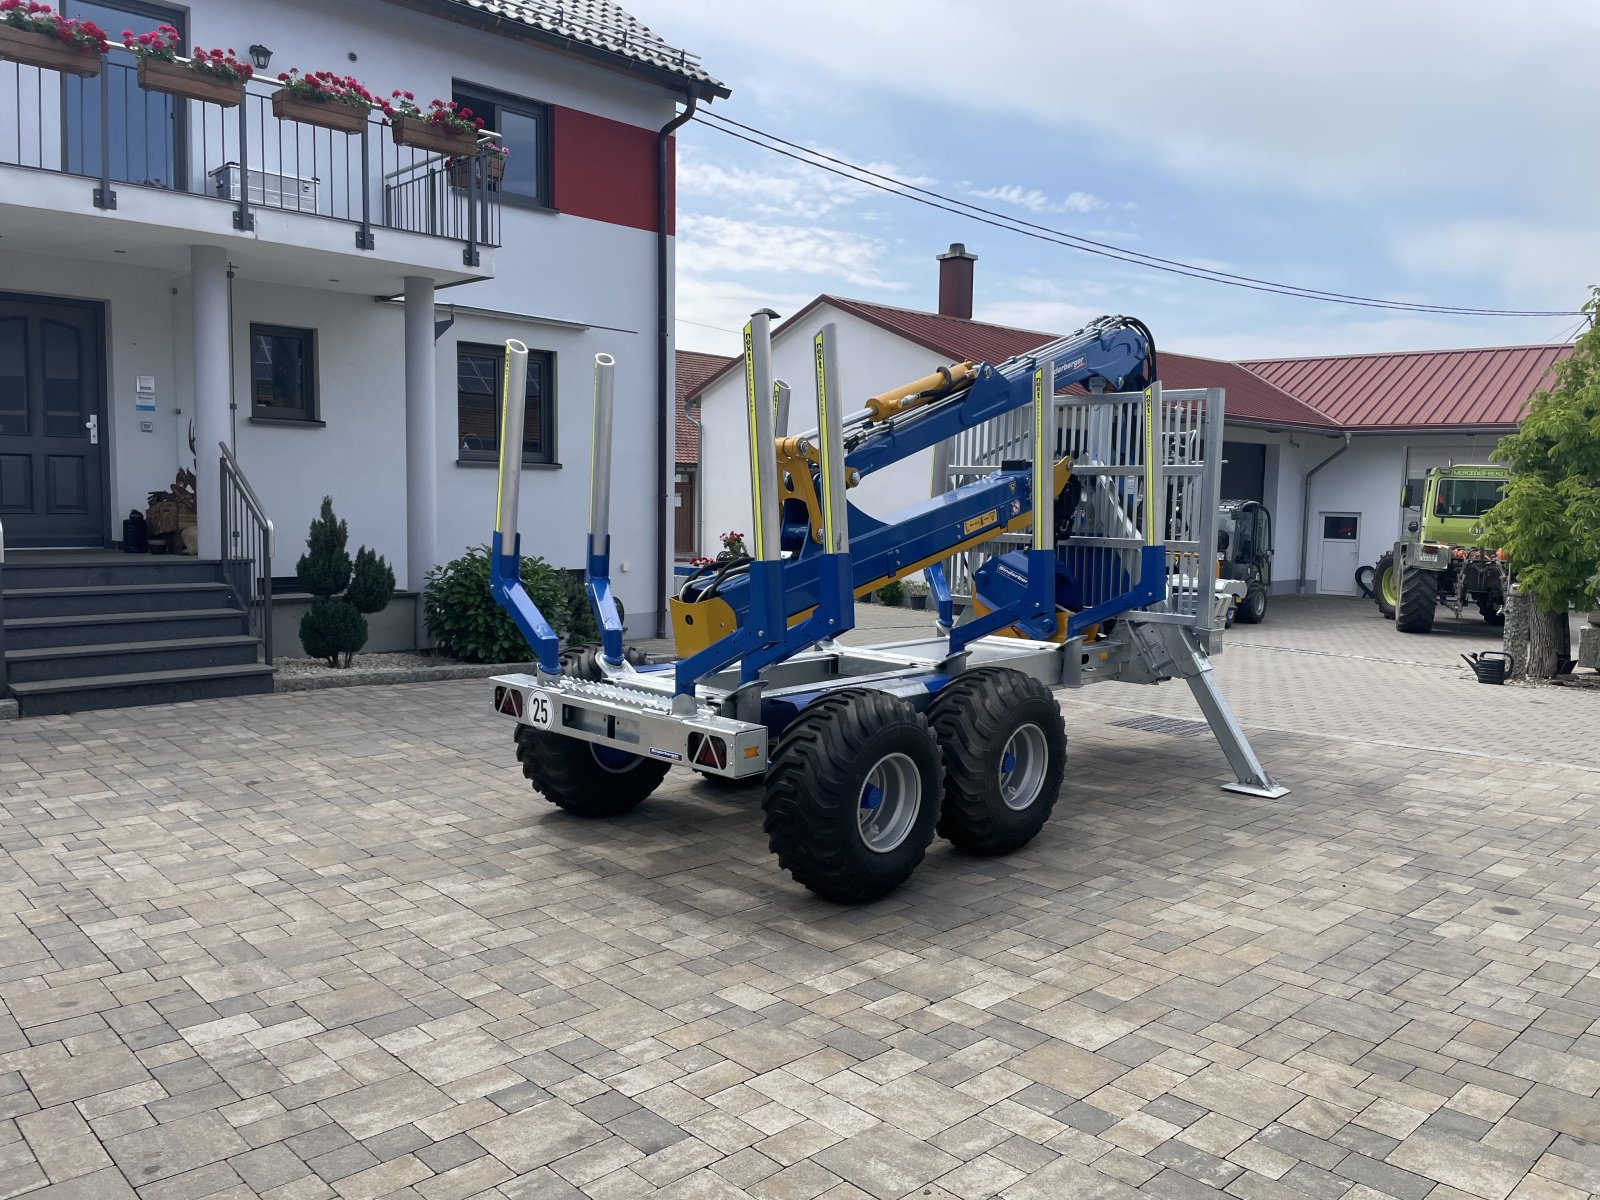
[919, 391]
[1151, 500]
[757, 538]
[1041, 457]
[505, 443]
[695, 626]
[823, 440]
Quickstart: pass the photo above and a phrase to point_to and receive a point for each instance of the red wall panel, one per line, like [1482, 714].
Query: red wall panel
[606, 170]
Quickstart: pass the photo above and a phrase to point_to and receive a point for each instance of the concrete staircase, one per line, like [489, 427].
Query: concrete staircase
[112, 631]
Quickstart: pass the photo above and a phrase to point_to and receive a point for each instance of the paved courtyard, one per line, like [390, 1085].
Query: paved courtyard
[328, 944]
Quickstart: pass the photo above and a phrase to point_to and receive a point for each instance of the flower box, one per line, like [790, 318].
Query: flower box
[47, 51]
[494, 170]
[419, 135]
[176, 79]
[329, 114]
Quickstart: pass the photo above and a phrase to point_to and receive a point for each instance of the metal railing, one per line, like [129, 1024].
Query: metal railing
[110, 130]
[3, 687]
[246, 549]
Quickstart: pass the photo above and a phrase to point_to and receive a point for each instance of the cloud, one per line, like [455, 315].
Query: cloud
[1543, 264]
[779, 187]
[1038, 202]
[709, 245]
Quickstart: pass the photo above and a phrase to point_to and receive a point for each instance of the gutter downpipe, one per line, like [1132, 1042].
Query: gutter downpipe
[1305, 511]
[665, 402]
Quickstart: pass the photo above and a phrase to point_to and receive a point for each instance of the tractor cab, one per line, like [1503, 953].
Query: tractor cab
[1244, 552]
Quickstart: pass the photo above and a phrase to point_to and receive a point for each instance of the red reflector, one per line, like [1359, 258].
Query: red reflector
[713, 752]
[508, 701]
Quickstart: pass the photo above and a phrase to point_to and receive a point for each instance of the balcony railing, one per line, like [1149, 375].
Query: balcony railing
[109, 130]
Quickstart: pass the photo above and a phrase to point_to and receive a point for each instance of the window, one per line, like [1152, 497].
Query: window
[1467, 497]
[480, 374]
[283, 373]
[1341, 528]
[524, 129]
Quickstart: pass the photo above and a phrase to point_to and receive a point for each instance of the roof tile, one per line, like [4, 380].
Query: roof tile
[693, 369]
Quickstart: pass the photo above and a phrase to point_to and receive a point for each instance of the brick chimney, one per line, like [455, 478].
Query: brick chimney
[955, 282]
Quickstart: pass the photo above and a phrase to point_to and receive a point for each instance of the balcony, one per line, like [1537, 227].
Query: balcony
[282, 193]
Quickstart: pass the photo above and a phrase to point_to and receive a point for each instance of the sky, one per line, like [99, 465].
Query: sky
[1418, 150]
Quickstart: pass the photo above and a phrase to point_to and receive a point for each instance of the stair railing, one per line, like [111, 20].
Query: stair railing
[247, 549]
[2, 610]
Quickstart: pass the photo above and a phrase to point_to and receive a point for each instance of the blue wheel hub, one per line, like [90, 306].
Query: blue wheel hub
[1008, 762]
[871, 797]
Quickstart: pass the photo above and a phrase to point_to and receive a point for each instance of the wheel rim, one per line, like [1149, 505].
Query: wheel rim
[1386, 587]
[618, 762]
[1022, 767]
[889, 802]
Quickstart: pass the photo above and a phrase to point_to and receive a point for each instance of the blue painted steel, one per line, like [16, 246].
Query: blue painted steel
[598, 591]
[943, 604]
[834, 614]
[505, 585]
[1036, 599]
[761, 624]
[1151, 589]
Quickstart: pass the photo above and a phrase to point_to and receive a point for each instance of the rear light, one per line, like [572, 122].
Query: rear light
[508, 701]
[706, 750]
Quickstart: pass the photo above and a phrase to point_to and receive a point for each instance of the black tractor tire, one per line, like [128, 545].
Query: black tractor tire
[1004, 745]
[581, 777]
[1252, 610]
[855, 767]
[1493, 610]
[1419, 597]
[1380, 573]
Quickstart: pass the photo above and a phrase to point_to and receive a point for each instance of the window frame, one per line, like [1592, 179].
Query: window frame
[268, 415]
[547, 418]
[475, 95]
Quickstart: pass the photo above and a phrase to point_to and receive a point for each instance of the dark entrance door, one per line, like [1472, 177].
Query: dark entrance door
[51, 388]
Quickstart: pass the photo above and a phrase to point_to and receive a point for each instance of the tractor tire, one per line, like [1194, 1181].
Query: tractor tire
[1005, 747]
[1419, 597]
[1253, 608]
[1492, 610]
[852, 795]
[1386, 585]
[581, 777]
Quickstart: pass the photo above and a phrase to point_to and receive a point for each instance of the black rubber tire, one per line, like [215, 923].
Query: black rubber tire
[1419, 596]
[1385, 564]
[974, 717]
[570, 772]
[583, 662]
[815, 785]
[1253, 608]
[1492, 613]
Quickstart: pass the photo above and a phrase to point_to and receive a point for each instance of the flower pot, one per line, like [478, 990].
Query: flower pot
[177, 79]
[419, 135]
[920, 603]
[328, 114]
[45, 50]
[494, 170]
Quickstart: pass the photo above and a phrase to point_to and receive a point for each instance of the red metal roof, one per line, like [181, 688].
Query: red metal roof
[693, 371]
[1433, 389]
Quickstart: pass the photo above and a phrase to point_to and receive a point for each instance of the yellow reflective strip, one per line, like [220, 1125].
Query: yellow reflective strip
[505, 417]
[1150, 498]
[824, 448]
[755, 448]
[1041, 461]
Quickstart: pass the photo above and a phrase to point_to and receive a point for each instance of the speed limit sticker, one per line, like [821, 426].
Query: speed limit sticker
[538, 711]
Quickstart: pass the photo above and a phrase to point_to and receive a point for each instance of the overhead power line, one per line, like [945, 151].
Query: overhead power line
[907, 190]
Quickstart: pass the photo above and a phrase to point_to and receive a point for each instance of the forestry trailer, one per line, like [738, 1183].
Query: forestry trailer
[862, 752]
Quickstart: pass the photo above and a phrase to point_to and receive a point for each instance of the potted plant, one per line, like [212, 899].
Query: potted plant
[323, 99]
[918, 591]
[891, 593]
[445, 128]
[211, 76]
[35, 35]
[494, 157]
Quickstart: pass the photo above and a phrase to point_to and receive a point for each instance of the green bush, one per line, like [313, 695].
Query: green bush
[464, 621]
[891, 593]
[582, 628]
[332, 626]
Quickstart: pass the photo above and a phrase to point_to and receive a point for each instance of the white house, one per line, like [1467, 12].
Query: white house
[1326, 444]
[338, 320]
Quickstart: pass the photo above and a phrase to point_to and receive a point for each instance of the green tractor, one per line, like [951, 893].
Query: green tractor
[1244, 551]
[1439, 561]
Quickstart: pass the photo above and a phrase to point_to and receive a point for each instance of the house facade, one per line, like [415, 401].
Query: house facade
[176, 275]
[1327, 444]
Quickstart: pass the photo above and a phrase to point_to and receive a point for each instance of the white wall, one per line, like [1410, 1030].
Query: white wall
[871, 360]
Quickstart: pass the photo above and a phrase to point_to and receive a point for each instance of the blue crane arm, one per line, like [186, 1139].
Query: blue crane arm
[1114, 349]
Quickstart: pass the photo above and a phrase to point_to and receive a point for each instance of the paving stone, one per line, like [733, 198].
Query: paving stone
[150, 1155]
[885, 1163]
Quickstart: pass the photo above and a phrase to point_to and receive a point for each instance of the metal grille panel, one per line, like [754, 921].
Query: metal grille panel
[1176, 726]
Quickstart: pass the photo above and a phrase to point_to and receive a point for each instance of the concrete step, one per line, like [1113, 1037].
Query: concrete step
[21, 571]
[31, 633]
[119, 658]
[95, 599]
[46, 696]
